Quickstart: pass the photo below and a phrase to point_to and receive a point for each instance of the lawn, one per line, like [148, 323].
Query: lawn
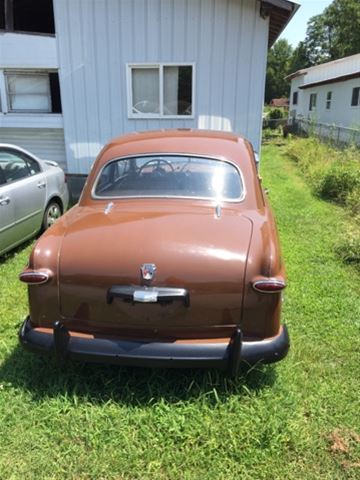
[298, 419]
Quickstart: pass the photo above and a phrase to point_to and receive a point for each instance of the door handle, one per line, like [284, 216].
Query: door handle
[41, 185]
[4, 201]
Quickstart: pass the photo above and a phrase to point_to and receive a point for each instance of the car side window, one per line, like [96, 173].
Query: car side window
[33, 165]
[13, 166]
[2, 178]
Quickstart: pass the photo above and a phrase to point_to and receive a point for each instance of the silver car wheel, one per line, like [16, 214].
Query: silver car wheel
[52, 214]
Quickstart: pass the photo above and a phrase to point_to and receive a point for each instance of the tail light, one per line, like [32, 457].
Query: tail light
[269, 285]
[35, 277]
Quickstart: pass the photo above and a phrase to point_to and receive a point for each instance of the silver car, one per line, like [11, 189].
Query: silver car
[33, 195]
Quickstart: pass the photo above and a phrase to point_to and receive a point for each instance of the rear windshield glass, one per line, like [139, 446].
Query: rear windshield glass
[169, 176]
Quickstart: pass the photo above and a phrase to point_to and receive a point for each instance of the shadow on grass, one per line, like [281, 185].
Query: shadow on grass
[6, 257]
[132, 386]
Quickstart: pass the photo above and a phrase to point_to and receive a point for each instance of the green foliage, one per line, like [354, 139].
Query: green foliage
[348, 247]
[299, 58]
[333, 175]
[331, 35]
[278, 67]
[339, 181]
[276, 114]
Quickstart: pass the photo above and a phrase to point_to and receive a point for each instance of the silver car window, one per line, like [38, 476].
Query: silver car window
[13, 166]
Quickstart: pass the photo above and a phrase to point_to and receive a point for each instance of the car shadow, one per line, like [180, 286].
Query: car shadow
[43, 378]
[12, 253]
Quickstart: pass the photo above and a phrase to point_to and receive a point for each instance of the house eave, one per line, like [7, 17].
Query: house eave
[341, 78]
[280, 12]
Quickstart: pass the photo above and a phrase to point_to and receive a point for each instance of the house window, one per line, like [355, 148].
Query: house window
[33, 92]
[355, 98]
[312, 103]
[27, 16]
[295, 98]
[160, 91]
[2, 14]
[328, 100]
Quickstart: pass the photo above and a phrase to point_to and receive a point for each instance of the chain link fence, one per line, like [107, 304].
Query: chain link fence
[333, 134]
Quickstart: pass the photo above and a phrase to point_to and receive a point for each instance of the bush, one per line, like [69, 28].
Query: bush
[276, 114]
[348, 247]
[333, 175]
[353, 202]
[338, 182]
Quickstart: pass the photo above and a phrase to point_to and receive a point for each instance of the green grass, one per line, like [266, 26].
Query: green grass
[298, 419]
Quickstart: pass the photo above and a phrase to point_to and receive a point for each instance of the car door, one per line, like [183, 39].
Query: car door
[7, 215]
[26, 185]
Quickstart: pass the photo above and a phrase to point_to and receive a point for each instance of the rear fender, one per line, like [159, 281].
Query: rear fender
[261, 311]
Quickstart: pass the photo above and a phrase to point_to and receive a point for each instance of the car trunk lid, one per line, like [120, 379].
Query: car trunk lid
[193, 249]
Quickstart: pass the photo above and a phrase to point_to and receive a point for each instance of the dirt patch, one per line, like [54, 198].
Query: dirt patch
[338, 443]
[342, 443]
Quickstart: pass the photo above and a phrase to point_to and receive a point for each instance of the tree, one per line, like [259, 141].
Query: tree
[299, 58]
[333, 34]
[278, 66]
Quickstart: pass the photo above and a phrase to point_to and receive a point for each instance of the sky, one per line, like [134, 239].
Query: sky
[296, 30]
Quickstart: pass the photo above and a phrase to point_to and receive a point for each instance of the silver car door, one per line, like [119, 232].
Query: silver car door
[7, 215]
[28, 190]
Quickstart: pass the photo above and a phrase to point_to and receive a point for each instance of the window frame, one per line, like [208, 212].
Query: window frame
[328, 100]
[174, 197]
[160, 67]
[358, 99]
[312, 105]
[44, 73]
[9, 22]
[295, 97]
[23, 156]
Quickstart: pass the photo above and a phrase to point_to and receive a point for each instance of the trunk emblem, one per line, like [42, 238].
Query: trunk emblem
[148, 271]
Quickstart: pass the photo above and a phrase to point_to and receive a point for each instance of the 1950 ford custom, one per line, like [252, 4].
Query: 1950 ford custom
[171, 258]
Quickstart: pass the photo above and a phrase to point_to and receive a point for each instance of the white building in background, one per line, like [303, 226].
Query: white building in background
[75, 73]
[328, 93]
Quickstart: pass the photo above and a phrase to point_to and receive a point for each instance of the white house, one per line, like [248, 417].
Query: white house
[328, 93]
[127, 65]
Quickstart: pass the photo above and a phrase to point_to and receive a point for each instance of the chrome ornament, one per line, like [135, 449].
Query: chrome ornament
[148, 271]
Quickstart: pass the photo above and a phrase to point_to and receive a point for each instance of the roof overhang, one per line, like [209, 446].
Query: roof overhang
[341, 78]
[297, 74]
[280, 12]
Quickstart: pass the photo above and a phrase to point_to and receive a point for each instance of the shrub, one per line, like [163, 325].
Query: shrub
[338, 182]
[348, 248]
[276, 114]
[333, 175]
[353, 201]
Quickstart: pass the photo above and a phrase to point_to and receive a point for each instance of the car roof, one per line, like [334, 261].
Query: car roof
[19, 149]
[212, 143]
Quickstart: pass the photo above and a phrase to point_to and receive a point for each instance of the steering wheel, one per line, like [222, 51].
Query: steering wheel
[158, 169]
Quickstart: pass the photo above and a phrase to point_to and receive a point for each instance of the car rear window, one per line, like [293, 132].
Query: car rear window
[169, 176]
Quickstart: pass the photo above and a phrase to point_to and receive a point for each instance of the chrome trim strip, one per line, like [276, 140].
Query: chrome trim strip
[167, 154]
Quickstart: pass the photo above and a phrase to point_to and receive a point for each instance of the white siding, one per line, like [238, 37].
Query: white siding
[343, 66]
[341, 112]
[45, 143]
[226, 39]
[27, 51]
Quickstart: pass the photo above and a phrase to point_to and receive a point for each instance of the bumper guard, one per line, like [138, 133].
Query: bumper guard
[154, 354]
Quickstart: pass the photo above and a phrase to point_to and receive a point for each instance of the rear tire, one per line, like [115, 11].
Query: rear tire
[52, 213]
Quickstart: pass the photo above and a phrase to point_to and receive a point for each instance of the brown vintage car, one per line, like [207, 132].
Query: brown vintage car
[171, 258]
